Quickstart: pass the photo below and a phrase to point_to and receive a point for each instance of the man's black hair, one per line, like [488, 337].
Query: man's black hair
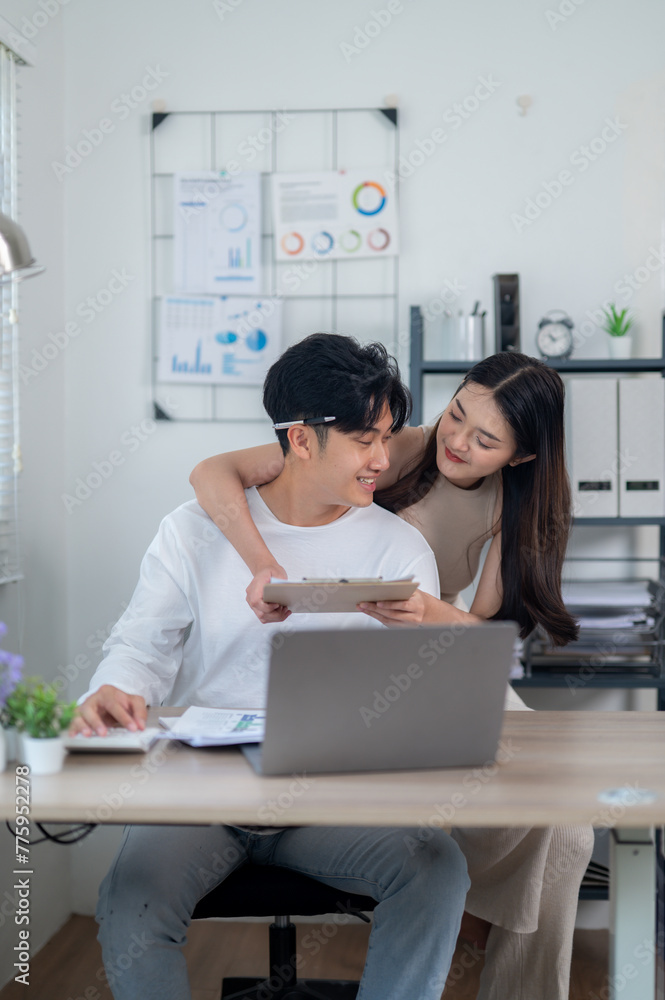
[327, 375]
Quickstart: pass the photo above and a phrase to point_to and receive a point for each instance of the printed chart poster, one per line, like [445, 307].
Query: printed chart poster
[217, 233]
[215, 341]
[335, 214]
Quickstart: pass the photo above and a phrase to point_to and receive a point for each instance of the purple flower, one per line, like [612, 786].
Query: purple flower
[11, 666]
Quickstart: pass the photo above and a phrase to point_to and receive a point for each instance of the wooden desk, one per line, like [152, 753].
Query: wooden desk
[553, 769]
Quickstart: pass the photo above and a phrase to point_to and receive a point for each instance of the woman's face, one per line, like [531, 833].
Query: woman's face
[473, 438]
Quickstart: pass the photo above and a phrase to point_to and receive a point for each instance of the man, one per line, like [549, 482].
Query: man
[188, 637]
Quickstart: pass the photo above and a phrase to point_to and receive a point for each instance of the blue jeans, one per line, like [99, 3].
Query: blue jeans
[160, 872]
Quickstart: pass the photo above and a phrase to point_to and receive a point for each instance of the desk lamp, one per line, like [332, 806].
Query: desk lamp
[16, 260]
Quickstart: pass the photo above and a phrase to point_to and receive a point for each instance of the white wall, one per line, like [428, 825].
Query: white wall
[456, 209]
[602, 61]
[35, 610]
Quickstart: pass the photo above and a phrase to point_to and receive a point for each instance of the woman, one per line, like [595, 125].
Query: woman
[493, 467]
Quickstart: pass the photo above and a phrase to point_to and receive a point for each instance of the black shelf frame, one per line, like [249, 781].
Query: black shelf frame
[554, 679]
[594, 892]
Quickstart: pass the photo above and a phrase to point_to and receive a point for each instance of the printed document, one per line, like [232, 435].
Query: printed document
[209, 727]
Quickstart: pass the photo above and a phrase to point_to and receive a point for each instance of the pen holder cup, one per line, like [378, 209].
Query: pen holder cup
[471, 338]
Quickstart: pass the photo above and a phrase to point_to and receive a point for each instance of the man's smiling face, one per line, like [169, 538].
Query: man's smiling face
[346, 469]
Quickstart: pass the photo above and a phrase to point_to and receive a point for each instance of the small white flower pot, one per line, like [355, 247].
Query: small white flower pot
[621, 348]
[10, 743]
[43, 756]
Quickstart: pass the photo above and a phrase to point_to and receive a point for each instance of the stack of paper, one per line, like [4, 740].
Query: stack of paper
[211, 727]
[618, 623]
[623, 594]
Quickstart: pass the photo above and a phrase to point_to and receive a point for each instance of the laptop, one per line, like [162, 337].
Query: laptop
[385, 699]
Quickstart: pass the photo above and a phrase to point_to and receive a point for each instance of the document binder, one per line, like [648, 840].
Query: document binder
[641, 447]
[592, 433]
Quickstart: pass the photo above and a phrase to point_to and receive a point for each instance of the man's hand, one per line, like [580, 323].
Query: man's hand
[109, 706]
[266, 612]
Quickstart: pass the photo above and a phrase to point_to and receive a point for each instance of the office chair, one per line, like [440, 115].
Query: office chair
[265, 890]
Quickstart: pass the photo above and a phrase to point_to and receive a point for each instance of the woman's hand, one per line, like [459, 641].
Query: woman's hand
[266, 613]
[420, 609]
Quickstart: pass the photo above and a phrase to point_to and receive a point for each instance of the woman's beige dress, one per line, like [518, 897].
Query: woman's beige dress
[525, 882]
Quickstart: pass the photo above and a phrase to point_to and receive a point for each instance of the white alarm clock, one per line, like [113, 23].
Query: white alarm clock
[554, 338]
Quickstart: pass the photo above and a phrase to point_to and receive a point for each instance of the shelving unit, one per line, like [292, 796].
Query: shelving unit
[605, 668]
[574, 366]
[552, 675]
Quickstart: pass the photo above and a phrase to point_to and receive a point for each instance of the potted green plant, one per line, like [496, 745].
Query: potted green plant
[617, 324]
[40, 717]
[12, 715]
[11, 666]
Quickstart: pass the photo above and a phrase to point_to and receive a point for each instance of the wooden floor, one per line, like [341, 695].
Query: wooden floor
[69, 967]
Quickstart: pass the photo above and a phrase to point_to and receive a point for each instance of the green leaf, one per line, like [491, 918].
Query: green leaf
[34, 708]
[616, 324]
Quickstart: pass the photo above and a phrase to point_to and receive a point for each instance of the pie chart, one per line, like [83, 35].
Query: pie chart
[378, 239]
[292, 243]
[256, 340]
[369, 198]
[350, 240]
[322, 243]
[234, 217]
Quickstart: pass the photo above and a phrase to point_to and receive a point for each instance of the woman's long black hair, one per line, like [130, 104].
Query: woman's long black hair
[536, 509]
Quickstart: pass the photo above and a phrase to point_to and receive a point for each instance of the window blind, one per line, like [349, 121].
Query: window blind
[10, 452]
